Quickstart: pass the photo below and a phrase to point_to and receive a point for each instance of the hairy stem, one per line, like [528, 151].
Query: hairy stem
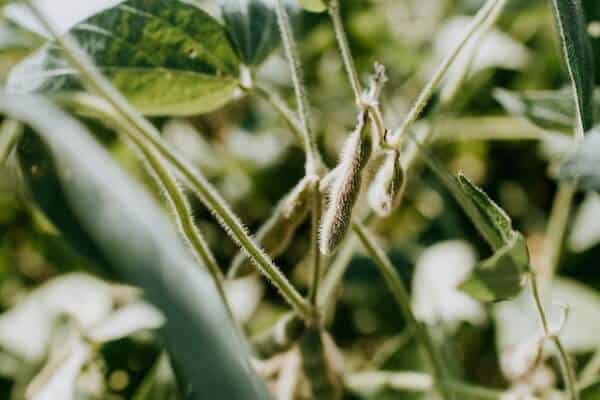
[486, 12]
[342, 39]
[400, 293]
[566, 367]
[291, 52]
[147, 132]
[9, 134]
[317, 211]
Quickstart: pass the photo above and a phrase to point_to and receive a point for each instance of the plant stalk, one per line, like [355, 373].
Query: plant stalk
[316, 213]
[484, 13]
[566, 367]
[400, 293]
[291, 52]
[147, 132]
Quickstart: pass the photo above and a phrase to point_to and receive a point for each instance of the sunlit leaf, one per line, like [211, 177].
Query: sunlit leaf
[166, 57]
[313, 5]
[252, 27]
[142, 248]
[584, 165]
[578, 56]
[127, 320]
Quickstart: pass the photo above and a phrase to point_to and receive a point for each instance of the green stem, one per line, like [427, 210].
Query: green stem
[565, 365]
[291, 52]
[557, 226]
[317, 205]
[480, 18]
[589, 374]
[9, 133]
[400, 293]
[179, 203]
[283, 110]
[147, 132]
[342, 39]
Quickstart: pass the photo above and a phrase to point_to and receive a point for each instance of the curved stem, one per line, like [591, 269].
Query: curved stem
[316, 253]
[486, 12]
[567, 369]
[147, 132]
[291, 52]
[342, 39]
[400, 293]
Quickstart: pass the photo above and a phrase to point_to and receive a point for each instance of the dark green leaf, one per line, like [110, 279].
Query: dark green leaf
[584, 165]
[591, 392]
[252, 26]
[167, 57]
[578, 56]
[500, 277]
[127, 228]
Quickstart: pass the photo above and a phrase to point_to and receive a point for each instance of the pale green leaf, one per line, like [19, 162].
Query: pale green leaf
[166, 57]
[316, 6]
[578, 55]
[138, 244]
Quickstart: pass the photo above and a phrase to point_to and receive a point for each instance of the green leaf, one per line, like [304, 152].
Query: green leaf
[591, 392]
[584, 165]
[500, 277]
[578, 55]
[549, 109]
[166, 57]
[316, 6]
[139, 244]
[252, 27]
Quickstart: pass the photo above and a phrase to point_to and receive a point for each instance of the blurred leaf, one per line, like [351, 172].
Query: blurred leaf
[159, 384]
[591, 392]
[584, 165]
[578, 55]
[548, 109]
[140, 244]
[126, 321]
[585, 232]
[313, 5]
[517, 319]
[252, 26]
[166, 57]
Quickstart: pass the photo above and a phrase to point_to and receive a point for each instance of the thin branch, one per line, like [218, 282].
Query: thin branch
[9, 134]
[291, 52]
[147, 132]
[342, 39]
[565, 364]
[400, 293]
[283, 110]
[480, 18]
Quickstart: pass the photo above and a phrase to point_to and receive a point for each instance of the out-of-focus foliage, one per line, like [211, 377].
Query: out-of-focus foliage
[516, 86]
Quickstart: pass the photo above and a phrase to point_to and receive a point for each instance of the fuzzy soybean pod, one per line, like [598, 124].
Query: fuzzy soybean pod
[387, 188]
[276, 234]
[345, 188]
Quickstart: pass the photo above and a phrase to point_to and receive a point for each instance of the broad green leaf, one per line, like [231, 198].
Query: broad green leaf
[166, 57]
[316, 6]
[139, 244]
[550, 109]
[252, 27]
[578, 55]
[500, 276]
[584, 165]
